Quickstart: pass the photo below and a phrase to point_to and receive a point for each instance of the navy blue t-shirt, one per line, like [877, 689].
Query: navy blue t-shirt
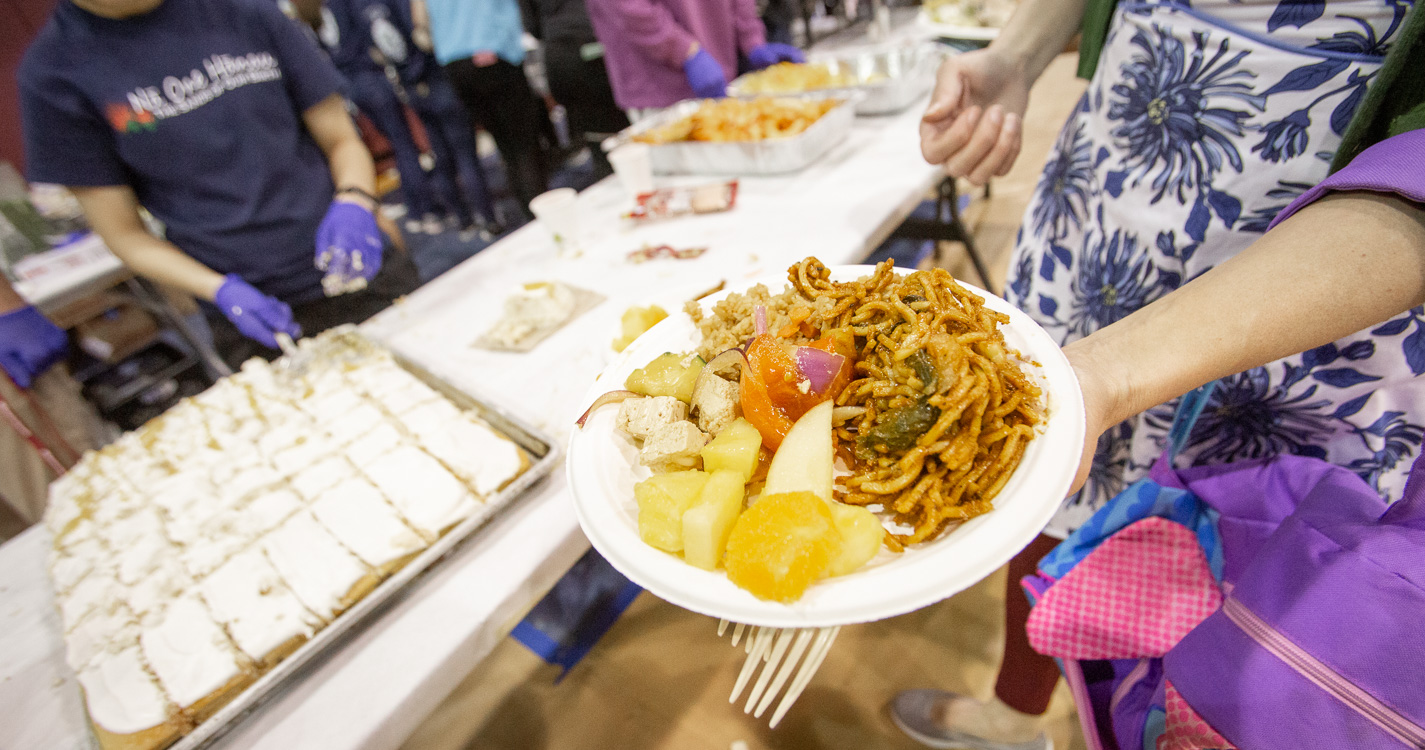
[345, 34]
[389, 25]
[198, 107]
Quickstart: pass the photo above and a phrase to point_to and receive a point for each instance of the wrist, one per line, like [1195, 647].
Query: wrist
[1104, 382]
[1017, 60]
[358, 196]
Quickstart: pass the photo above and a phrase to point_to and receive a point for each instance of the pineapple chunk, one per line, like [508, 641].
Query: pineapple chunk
[861, 537]
[736, 448]
[707, 525]
[635, 321]
[662, 501]
[668, 374]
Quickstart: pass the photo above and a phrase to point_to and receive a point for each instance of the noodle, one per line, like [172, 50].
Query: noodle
[947, 411]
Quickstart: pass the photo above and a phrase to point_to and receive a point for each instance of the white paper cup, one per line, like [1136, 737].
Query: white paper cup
[633, 163]
[558, 211]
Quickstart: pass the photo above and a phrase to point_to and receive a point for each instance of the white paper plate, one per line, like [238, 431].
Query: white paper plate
[603, 467]
[955, 31]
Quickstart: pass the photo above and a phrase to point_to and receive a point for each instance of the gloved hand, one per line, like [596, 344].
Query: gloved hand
[29, 345]
[348, 247]
[771, 53]
[705, 75]
[258, 316]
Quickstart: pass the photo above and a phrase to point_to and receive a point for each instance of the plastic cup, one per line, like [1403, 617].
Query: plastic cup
[558, 211]
[633, 163]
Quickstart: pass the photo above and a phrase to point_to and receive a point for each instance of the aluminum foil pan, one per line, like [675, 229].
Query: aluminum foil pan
[887, 79]
[544, 455]
[772, 156]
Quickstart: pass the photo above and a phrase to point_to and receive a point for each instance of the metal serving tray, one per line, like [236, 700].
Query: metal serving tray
[543, 455]
[887, 79]
[735, 158]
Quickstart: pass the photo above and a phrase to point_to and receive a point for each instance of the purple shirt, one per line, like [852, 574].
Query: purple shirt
[1391, 166]
[646, 41]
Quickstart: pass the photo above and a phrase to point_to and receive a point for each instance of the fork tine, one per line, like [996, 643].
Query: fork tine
[784, 637]
[752, 634]
[754, 657]
[818, 653]
[721, 627]
[737, 633]
[803, 638]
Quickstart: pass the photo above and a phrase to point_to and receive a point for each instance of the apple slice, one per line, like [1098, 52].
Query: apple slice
[803, 463]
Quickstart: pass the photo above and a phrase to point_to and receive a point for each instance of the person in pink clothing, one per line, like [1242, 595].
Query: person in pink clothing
[660, 52]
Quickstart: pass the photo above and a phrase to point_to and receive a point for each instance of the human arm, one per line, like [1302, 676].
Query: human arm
[113, 213]
[974, 123]
[1339, 265]
[420, 26]
[650, 27]
[347, 157]
[747, 25]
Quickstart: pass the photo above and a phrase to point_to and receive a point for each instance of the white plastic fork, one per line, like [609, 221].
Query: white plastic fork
[777, 651]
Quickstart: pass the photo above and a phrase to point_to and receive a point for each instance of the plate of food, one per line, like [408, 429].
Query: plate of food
[833, 446]
[976, 20]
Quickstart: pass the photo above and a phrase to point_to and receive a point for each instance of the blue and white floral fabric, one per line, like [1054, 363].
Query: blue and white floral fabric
[1202, 122]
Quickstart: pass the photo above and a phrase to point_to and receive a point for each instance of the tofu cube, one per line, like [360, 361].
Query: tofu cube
[715, 402]
[674, 446]
[641, 417]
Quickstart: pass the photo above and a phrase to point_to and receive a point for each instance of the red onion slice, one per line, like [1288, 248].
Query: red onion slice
[718, 364]
[818, 367]
[759, 314]
[612, 397]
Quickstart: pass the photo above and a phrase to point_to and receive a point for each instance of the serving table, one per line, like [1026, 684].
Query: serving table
[376, 690]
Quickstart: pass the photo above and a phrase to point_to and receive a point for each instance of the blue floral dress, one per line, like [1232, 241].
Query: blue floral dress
[1204, 120]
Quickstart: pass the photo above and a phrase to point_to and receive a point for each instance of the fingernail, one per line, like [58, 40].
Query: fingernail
[1012, 122]
[996, 114]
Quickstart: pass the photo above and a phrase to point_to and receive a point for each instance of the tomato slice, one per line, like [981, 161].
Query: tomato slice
[772, 388]
[757, 408]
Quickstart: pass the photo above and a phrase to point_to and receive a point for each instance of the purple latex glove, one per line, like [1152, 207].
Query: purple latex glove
[29, 345]
[772, 53]
[348, 244]
[705, 75]
[258, 316]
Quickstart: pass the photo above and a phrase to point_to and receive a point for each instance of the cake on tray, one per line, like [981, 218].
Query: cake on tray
[199, 551]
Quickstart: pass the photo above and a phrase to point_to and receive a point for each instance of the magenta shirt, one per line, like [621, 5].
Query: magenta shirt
[646, 41]
[1391, 166]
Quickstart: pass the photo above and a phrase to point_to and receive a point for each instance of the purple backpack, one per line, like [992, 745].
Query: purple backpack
[1316, 643]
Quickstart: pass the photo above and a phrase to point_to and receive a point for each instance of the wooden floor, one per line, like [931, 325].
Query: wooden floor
[660, 679]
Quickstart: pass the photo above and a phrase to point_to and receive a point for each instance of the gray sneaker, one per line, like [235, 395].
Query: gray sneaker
[915, 713]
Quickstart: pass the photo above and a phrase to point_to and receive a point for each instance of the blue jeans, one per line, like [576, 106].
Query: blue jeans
[458, 178]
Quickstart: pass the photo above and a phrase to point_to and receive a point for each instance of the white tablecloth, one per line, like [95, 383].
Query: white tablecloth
[375, 691]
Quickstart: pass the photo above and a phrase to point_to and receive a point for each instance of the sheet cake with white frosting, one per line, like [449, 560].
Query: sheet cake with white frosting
[197, 552]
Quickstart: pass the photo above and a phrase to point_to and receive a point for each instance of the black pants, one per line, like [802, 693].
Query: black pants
[397, 277]
[582, 86]
[499, 98]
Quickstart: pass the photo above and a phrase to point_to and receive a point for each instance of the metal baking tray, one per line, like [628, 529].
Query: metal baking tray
[544, 455]
[887, 79]
[735, 158]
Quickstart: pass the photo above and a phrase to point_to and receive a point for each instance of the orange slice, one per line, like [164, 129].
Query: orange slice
[781, 545]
